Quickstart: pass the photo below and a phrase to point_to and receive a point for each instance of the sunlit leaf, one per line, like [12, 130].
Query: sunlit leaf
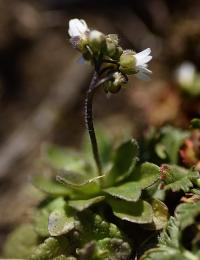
[129, 191]
[60, 223]
[84, 204]
[160, 215]
[41, 216]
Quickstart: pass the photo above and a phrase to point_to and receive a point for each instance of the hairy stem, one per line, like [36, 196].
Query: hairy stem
[95, 83]
[89, 121]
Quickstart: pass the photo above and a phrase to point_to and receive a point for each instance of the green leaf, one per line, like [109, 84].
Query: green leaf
[41, 216]
[21, 242]
[160, 215]
[170, 241]
[68, 160]
[79, 181]
[81, 205]
[60, 223]
[148, 174]
[196, 191]
[195, 123]
[170, 236]
[40, 221]
[94, 227]
[62, 257]
[105, 147]
[112, 248]
[124, 162]
[171, 140]
[186, 213]
[137, 212]
[52, 247]
[130, 191]
[166, 253]
[176, 178]
[50, 186]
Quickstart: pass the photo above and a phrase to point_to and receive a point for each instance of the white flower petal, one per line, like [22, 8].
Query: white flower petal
[77, 27]
[143, 60]
[145, 52]
[145, 70]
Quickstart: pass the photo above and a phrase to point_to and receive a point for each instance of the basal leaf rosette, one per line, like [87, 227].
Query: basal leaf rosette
[122, 186]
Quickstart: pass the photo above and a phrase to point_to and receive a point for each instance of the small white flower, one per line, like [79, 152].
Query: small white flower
[142, 58]
[185, 73]
[77, 27]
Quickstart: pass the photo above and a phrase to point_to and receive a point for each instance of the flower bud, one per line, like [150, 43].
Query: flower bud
[113, 50]
[96, 40]
[114, 85]
[127, 62]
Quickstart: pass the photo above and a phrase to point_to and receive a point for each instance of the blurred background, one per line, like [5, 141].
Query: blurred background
[42, 84]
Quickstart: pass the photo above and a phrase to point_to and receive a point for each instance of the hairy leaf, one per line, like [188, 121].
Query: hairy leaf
[186, 213]
[50, 248]
[112, 249]
[177, 178]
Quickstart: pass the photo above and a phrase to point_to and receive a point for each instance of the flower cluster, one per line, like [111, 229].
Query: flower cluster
[108, 57]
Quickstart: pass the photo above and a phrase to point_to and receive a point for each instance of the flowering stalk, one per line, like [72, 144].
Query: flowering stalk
[112, 64]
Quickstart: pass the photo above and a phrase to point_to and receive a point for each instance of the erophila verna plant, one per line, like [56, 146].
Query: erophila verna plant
[138, 201]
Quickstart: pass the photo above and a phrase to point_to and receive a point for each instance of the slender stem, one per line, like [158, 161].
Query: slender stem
[89, 121]
[95, 83]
